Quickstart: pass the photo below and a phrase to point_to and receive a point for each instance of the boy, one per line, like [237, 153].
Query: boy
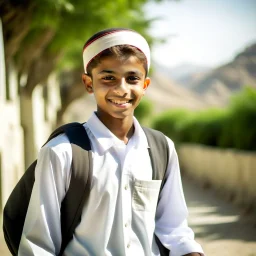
[114, 221]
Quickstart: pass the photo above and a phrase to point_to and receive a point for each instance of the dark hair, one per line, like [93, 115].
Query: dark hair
[121, 52]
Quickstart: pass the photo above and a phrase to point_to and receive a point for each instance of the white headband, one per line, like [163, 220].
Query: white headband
[118, 37]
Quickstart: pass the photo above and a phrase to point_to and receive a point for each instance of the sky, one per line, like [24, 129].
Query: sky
[201, 32]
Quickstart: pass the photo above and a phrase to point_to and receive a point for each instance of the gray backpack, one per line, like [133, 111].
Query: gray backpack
[15, 210]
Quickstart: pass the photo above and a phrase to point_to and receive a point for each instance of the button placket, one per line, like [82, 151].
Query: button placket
[126, 205]
[126, 197]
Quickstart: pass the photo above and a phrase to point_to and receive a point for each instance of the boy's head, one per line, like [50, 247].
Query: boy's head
[115, 42]
[116, 63]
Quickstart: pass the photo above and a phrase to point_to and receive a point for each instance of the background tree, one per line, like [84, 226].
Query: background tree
[45, 36]
[41, 35]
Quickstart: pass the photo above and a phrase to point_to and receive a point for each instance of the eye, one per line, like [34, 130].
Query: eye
[108, 78]
[132, 79]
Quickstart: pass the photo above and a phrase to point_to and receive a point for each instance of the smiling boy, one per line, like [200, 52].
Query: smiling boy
[114, 221]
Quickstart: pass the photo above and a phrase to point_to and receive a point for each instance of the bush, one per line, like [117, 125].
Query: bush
[243, 119]
[225, 139]
[206, 127]
[144, 110]
[168, 122]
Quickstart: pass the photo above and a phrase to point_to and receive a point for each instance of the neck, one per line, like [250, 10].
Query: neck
[123, 129]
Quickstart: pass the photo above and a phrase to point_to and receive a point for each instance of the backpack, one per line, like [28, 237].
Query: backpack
[15, 209]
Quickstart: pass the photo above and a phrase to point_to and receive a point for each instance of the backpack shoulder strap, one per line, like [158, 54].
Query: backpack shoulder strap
[158, 151]
[79, 188]
[62, 129]
[15, 209]
[159, 155]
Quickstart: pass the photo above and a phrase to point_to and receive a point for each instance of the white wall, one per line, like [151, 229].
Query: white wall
[38, 119]
[11, 133]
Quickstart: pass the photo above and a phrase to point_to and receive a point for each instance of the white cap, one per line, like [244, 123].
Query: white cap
[113, 38]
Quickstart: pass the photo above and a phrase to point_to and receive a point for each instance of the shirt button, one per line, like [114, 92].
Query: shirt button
[128, 245]
[126, 225]
[126, 187]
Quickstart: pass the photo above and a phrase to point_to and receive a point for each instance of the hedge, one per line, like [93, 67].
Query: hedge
[233, 127]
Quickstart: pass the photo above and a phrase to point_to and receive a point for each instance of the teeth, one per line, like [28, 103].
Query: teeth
[119, 101]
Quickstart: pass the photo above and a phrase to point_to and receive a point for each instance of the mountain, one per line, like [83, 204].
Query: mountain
[228, 79]
[166, 94]
[182, 74]
[216, 85]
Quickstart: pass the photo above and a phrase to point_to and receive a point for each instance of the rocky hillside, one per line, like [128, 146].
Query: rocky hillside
[165, 94]
[182, 74]
[225, 80]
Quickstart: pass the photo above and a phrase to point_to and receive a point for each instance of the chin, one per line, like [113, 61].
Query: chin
[122, 115]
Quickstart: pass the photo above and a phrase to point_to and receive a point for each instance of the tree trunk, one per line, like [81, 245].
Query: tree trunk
[33, 50]
[40, 70]
[27, 122]
[72, 88]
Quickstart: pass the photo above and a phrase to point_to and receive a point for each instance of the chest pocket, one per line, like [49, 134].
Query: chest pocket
[145, 195]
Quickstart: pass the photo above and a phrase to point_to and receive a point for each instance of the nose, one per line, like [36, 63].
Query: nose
[122, 88]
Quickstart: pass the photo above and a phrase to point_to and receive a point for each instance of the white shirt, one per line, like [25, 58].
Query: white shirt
[121, 216]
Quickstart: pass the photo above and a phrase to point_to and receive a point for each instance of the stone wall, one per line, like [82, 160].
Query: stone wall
[231, 172]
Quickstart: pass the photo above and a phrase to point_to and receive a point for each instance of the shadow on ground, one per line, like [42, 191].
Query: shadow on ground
[213, 217]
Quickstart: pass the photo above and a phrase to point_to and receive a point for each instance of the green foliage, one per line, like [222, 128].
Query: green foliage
[206, 126]
[243, 119]
[169, 123]
[72, 22]
[234, 127]
[144, 110]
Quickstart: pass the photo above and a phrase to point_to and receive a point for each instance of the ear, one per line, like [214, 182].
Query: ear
[146, 83]
[87, 80]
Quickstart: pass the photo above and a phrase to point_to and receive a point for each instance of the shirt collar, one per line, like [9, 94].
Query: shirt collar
[107, 139]
[139, 138]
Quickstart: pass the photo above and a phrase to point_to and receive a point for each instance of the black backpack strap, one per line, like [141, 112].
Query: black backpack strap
[62, 129]
[158, 151]
[159, 155]
[16, 206]
[79, 188]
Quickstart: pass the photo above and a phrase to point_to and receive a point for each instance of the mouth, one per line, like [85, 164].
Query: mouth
[120, 103]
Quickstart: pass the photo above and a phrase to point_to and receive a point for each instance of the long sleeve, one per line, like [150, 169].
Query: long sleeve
[42, 231]
[171, 214]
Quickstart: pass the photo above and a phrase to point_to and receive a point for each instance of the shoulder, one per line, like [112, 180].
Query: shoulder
[158, 135]
[59, 145]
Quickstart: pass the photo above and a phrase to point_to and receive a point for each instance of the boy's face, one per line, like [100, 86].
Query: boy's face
[118, 86]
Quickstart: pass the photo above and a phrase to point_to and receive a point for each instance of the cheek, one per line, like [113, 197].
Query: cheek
[139, 91]
[100, 90]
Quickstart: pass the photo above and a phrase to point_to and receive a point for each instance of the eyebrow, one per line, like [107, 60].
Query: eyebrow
[137, 73]
[106, 71]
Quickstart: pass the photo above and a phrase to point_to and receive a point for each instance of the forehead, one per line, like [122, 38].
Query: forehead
[112, 64]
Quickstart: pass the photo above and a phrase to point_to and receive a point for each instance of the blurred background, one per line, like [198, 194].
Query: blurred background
[202, 95]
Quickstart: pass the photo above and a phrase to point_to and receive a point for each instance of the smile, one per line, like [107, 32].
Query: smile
[121, 103]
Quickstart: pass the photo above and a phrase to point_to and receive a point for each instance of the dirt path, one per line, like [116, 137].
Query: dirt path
[219, 226]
